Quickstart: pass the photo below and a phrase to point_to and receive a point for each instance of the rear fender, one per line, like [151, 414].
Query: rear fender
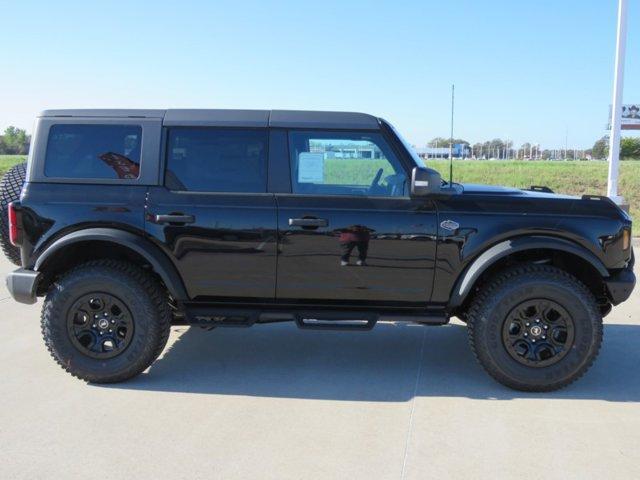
[152, 254]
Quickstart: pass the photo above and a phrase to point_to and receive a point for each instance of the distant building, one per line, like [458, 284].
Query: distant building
[460, 150]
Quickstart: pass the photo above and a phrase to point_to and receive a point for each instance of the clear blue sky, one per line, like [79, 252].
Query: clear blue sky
[524, 70]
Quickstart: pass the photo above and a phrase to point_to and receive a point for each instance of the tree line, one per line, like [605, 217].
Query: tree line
[14, 141]
[498, 148]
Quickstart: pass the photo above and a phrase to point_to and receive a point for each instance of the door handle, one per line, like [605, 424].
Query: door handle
[308, 222]
[174, 218]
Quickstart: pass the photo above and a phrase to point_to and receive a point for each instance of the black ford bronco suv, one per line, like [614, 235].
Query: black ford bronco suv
[129, 221]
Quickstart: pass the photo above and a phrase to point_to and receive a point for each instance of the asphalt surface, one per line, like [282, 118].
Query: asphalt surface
[275, 402]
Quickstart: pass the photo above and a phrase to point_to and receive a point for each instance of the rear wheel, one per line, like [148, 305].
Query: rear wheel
[105, 321]
[535, 328]
[10, 188]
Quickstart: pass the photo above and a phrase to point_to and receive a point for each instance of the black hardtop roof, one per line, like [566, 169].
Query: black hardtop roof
[232, 118]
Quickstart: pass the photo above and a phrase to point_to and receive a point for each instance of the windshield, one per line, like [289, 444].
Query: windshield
[412, 151]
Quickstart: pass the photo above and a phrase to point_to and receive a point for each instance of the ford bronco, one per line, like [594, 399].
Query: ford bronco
[130, 221]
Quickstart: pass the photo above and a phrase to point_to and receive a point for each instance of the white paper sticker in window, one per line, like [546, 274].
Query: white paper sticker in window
[311, 167]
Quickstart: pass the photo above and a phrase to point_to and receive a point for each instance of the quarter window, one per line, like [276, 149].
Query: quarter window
[344, 163]
[93, 151]
[217, 160]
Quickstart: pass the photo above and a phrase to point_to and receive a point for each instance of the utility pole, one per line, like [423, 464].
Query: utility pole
[616, 104]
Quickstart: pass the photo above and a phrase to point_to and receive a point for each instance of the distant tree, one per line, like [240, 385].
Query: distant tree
[546, 154]
[15, 141]
[630, 148]
[600, 149]
[442, 142]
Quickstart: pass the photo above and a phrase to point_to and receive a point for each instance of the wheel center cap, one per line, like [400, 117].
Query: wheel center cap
[103, 323]
[536, 330]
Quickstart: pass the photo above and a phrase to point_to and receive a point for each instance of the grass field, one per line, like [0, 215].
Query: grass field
[8, 161]
[573, 178]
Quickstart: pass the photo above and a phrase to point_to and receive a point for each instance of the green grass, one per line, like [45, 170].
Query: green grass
[8, 161]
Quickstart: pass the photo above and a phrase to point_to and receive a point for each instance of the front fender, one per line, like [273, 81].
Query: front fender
[477, 267]
[152, 254]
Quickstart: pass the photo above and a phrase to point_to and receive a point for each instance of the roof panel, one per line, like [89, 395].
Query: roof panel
[103, 113]
[310, 119]
[217, 118]
[233, 118]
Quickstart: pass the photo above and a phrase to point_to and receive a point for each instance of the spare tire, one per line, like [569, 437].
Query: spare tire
[10, 188]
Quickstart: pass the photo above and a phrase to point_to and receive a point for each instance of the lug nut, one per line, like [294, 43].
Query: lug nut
[533, 340]
[113, 321]
[546, 327]
[526, 334]
[527, 324]
[94, 325]
[111, 331]
[105, 314]
[543, 336]
[537, 320]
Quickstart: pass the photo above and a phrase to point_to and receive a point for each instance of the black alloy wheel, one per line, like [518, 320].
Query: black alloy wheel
[100, 325]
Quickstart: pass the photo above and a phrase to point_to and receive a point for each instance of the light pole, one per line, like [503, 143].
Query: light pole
[616, 104]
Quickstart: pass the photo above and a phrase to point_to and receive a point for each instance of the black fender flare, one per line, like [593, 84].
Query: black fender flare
[472, 272]
[151, 253]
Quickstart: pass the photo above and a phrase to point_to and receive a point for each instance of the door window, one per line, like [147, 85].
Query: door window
[344, 163]
[217, 160]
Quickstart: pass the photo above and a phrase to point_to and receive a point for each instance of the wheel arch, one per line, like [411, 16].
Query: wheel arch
[91, 243]
[583, 264]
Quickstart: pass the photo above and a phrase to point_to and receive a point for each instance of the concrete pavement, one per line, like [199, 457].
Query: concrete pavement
[275, 402]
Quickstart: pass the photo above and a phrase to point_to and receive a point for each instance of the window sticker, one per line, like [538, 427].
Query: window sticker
[311, 167]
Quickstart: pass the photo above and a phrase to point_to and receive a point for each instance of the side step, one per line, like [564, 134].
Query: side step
[318, 320]
[216, 316]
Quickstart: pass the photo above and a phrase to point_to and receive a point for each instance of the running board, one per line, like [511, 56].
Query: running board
[320, 320]
[216, 316]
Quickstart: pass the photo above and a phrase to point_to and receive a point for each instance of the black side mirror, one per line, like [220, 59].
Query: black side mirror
[425, 181]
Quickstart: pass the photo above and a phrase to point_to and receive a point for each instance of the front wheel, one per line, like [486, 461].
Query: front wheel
[535, 328]
[105, 321]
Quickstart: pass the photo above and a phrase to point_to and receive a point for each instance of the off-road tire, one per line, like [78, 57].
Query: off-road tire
[10, 188]
[138, 290]
[489, 311]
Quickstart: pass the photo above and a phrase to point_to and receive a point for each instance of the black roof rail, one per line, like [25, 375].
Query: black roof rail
[540, 188]
[602, 198]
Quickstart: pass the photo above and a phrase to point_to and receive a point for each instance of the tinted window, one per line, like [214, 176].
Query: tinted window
[217, 160]
[93, 151]
[344, 163]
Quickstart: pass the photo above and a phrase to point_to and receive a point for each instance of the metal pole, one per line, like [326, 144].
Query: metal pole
[616, 110]
[453, 89]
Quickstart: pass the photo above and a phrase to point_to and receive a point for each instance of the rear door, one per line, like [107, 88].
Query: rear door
[213, 215]
[348, 231]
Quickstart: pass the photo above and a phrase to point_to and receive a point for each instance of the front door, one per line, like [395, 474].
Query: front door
[348, 233]
[213, 216]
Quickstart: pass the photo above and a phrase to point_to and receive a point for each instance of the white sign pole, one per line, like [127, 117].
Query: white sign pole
[616, 110]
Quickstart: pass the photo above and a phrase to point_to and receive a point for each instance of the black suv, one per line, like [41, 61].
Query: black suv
[130, 221]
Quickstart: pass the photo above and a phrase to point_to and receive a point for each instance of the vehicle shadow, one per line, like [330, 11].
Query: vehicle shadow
[280, 360]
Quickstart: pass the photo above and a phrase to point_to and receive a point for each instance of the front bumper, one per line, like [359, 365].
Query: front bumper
[620, 285]
[22, 285]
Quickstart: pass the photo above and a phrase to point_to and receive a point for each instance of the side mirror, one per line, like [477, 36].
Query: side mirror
[425, 181]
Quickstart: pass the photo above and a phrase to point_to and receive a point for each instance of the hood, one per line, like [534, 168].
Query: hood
[477, 189]
[544, 202]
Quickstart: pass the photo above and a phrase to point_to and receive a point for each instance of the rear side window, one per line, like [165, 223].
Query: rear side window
[93, 151]
[217, 160]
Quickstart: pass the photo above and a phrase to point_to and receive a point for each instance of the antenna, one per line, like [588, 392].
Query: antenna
[453, 89]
